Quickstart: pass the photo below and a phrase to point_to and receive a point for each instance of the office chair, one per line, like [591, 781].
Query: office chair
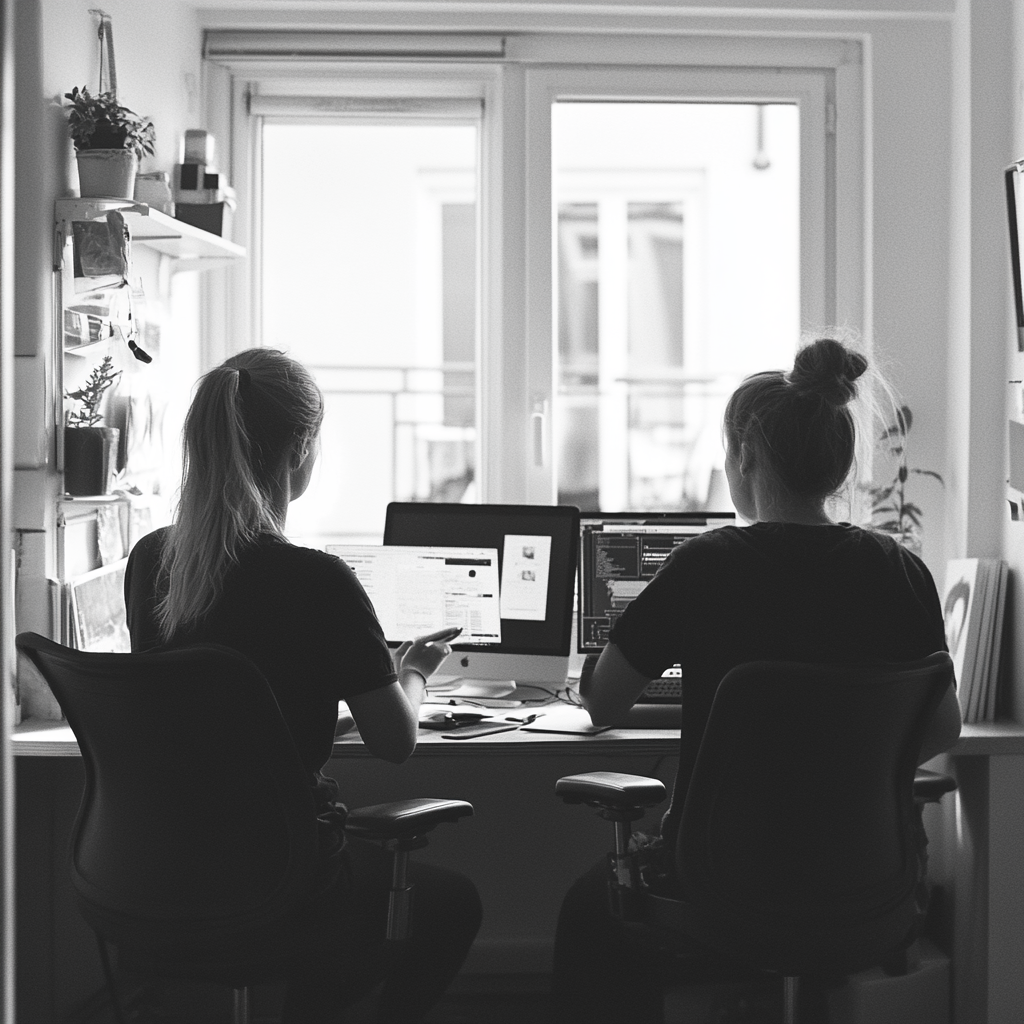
[797, 850]
[196, 837]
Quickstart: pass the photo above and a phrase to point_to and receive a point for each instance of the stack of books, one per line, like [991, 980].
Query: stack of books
[973, 603]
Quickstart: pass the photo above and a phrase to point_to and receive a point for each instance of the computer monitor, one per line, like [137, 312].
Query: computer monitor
[419, 590]
[1014, 179]
[619, 554]
[537, 547]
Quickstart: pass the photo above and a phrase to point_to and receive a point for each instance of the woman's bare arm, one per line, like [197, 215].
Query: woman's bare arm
[388, 717]
[944, 728]
[612, 690]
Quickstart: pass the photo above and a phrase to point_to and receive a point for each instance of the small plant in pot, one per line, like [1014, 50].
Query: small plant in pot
[109, 141]
[90, 450]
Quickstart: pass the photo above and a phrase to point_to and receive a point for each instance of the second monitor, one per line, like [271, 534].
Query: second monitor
[619, 554]
[536, 547]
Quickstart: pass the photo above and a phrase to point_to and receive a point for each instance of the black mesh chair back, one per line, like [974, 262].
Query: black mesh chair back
[196, 834]
[798, 843]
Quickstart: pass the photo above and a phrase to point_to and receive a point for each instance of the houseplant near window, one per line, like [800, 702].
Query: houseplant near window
[90, 450]
[109, 142]
[891, 511]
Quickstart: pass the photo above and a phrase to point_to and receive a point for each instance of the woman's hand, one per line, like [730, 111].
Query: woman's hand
[388, 717]
[425, 653]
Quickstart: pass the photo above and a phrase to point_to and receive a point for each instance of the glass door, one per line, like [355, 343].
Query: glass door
[678, 273]
[689, 245]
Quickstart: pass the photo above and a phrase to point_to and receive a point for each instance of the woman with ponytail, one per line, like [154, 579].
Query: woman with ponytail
[224, 573]
[793, 585]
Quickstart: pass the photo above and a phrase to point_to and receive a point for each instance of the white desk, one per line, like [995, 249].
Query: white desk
[522, 832]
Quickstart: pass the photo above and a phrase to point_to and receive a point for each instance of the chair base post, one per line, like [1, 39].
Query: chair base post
[790, 997]
[108, 974]
[400, 898]
[240, 1006]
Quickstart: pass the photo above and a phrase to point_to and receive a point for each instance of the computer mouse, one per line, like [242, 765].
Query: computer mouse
[345, 723]
[450, 719]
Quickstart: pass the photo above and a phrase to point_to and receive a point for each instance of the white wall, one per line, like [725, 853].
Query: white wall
[158, 55]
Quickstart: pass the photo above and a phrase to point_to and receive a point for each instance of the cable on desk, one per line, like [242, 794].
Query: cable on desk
[566, 695]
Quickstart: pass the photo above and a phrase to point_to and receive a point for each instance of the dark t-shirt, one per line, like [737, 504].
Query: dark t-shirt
[299, 614]
[775, 591]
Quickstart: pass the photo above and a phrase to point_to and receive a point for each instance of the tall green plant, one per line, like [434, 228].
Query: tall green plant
[891, 510]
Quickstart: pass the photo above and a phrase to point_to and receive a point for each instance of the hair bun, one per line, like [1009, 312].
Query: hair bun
[828, 370]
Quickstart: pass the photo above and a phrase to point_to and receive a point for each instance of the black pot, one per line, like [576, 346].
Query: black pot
[90, 459]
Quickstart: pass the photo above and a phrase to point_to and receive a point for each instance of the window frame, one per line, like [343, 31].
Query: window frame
[517, 342]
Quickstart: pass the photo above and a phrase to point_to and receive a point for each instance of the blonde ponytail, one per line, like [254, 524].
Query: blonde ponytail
[248, 414]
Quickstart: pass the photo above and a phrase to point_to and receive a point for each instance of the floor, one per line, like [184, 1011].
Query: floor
[477, 999]
[473, 1000]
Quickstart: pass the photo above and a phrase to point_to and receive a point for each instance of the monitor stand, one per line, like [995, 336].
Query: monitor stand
[496, 675]
[468, 686]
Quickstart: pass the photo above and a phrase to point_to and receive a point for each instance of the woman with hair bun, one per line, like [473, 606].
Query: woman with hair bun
[224, 573]
[791, 586]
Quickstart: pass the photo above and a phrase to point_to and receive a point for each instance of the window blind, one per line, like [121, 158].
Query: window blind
[406, 107]
[229, 46]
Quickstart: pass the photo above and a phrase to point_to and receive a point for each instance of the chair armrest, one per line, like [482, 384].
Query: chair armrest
[404, 819]
[610, 789]
[930, 787]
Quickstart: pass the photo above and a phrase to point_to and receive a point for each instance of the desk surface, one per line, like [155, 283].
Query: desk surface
[55, 739]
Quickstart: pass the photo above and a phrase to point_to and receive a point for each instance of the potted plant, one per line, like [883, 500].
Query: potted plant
[891, 512]
[90, 450]
[109, 142]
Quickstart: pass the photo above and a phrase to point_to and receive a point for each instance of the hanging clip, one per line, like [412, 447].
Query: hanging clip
[106, 34]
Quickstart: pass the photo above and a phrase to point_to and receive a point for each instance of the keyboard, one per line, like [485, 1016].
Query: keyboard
[666, 690]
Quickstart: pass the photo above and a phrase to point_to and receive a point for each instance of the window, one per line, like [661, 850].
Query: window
[535, 273]
[677, 244]
[373, 287]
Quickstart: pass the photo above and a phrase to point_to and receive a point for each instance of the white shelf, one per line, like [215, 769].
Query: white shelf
[88, 349]
[195, 248]
[93, 499]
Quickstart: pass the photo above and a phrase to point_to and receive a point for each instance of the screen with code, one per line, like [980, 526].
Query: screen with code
[619, 555]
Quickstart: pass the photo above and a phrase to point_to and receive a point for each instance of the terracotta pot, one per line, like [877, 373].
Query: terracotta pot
[106, 173]
[90, 459]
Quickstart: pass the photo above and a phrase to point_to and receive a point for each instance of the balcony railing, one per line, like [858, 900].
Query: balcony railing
[666, 430]
[430, 412]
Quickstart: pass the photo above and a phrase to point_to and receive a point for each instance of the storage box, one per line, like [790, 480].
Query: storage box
[212, 217]
[198, 146]
[919, 997]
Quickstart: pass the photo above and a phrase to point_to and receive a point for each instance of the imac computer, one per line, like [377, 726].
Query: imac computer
[536, 548]
[619, 554]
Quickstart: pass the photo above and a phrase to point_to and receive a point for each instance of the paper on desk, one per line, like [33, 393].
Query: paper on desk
[574, 721]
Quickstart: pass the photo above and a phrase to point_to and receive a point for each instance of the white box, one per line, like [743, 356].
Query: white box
[921, 996]
[199, 146]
